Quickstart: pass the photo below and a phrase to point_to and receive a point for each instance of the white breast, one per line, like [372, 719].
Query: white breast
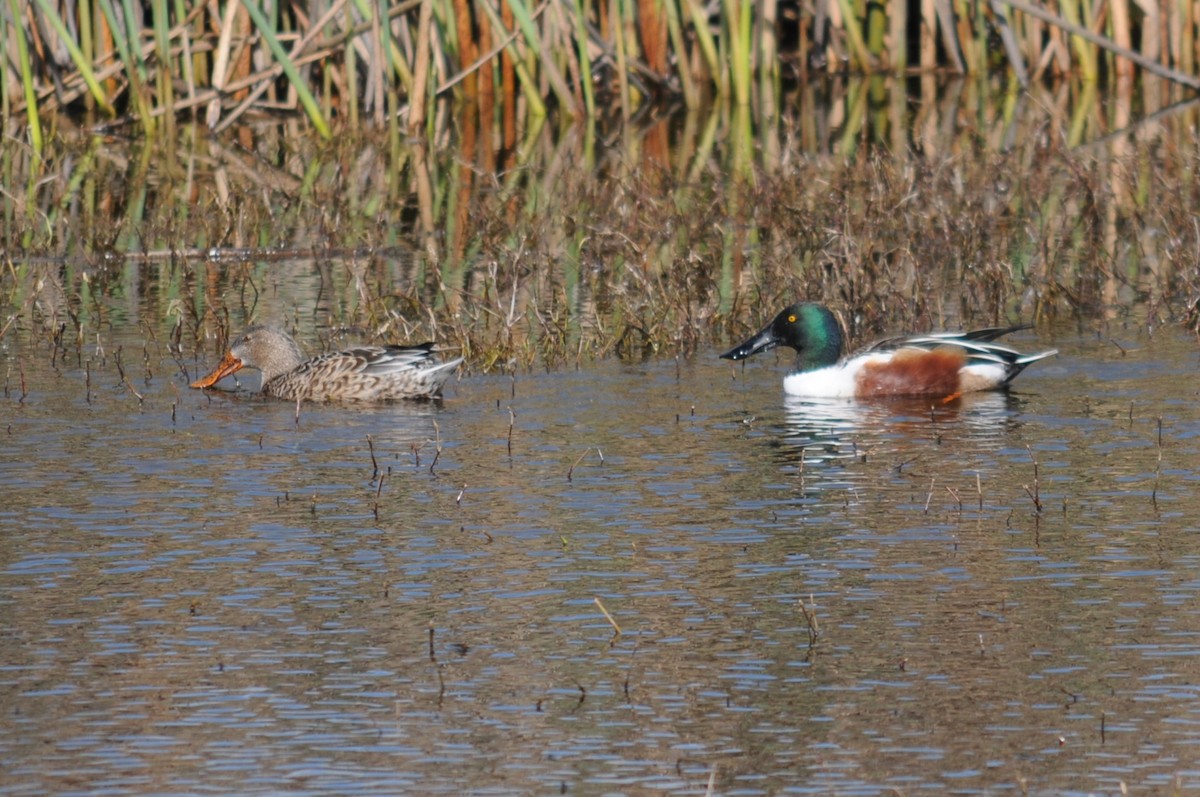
[836, 381]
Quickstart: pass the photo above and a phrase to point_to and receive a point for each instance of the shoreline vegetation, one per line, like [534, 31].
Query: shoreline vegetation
[350, 64]
[1059, 210]
[906, 198]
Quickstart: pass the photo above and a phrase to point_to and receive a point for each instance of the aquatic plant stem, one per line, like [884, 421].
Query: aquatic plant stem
[622, 65]
[525, 23]
[303, 93]
[691, 96]
[607, 616]
[162, 43]
[85, 69]
[417, 97]
[528, 85]
[738, 18]
[854, 35]
[31, 106]
[585, 63]
[1149, 64]
[704, 36]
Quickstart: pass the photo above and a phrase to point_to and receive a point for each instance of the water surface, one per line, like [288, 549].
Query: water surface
[208, 592]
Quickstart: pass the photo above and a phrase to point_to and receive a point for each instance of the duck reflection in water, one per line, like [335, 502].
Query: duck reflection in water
[823, 429]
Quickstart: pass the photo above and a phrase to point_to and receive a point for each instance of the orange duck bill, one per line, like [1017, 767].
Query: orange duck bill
[228, 365]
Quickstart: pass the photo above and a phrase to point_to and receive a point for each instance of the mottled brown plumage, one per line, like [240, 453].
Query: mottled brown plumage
[362, 373]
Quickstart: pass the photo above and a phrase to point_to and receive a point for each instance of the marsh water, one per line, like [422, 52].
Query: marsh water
[608, 562]
[658, 577]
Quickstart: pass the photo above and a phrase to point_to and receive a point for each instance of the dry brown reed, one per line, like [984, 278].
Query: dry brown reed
[343, 64]
[658, 241]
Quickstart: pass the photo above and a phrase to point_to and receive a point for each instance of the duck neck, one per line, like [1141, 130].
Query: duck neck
[821, 338]
[281, 363]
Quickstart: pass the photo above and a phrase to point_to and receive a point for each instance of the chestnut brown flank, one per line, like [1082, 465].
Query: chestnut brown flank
[913, 372]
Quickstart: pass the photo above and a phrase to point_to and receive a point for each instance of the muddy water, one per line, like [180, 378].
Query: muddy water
[205, 592]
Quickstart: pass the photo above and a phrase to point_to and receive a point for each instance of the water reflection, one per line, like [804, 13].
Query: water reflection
[197, 591]
[818, 429]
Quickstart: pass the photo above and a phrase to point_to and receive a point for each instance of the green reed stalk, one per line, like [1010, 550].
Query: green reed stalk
[739, 23]
[1083, 108]
[350, 73]
[854, 37]
[618, 30]
[85, 68]
[31, 106]
[311, 107]
[162, 42]
[525, 23]
[707, 46]
[133, 38]
[1072, 11]
[86, 32]
[691, 97]
[386, 93]
[396, 57]
[585, 64]
[876, 27]
[528, 86]
[127, 58]
[5, 100]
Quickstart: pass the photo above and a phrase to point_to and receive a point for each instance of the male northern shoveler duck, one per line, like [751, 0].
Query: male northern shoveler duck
[363, 373]
[941, 364]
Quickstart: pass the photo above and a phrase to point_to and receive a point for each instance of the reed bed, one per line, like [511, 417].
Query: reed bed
[347, 64]
[661, 241]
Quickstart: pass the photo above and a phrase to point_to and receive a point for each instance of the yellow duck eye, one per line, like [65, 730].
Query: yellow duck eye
[791, 319]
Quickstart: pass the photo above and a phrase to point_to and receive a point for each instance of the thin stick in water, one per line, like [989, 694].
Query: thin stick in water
[609, 617]
[129, 385]
[374, 463]
[512, 420]
[437, 450]
[1036, 493]
[571, 470]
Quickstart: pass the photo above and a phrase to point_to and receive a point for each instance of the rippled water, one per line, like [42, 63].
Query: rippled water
[205, 592]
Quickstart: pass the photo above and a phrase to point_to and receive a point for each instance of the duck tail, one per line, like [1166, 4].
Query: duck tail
[1024, 361]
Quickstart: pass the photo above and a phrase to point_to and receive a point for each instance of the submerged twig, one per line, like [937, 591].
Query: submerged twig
[609, 617]
[129, 386]
[1157, 465]
[378, 492]
[437, 447]
[512, 420]
[374, 462]
[571, 470]
[810, 617]
[1036, 492]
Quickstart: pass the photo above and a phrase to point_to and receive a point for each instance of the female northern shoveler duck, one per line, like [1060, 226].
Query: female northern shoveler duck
[363, 373]
[941, 364]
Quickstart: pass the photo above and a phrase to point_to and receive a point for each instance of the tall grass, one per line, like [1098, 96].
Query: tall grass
[345, 62]
[964, 206]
